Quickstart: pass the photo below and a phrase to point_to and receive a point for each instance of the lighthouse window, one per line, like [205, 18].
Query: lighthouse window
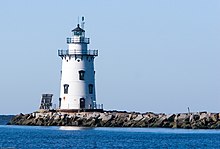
[90, 88]
[77, 33]
[66, 86]
[81, 75]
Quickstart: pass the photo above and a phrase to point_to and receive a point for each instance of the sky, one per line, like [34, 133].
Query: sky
[160, 56]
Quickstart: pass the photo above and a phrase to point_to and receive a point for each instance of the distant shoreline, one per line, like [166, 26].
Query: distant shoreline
[4, 119]
[200, 120]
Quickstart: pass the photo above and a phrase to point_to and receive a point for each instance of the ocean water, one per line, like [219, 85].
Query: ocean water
[40, 137]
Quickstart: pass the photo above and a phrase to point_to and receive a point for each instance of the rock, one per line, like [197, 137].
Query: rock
[57, 117]
[170, 117]
[214, 117]
[39, 122]
[181, 120]
[161, 115]
[105, 117]
[141, 123]
[139, 117]
[93, 115]
[203, 115]
[197, 125]
[127, 124]
[120, 121]
[216, 125]
[186, 126]
[159, 122]
[89, 123]
[30, 117]
[150, 122]
[194, 117]
[182, 117]
[167, 124]
[28, 122]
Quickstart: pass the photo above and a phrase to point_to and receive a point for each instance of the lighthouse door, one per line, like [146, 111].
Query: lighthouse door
[82, 103]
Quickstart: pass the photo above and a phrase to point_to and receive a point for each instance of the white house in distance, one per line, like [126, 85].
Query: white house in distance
[77, 88]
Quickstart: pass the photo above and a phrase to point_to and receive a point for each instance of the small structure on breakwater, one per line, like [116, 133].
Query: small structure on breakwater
[46, 102]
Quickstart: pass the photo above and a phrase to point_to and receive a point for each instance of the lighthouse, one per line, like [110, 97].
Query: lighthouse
[77, 87]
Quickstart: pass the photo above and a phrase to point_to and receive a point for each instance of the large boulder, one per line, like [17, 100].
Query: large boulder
[92, 115]
[159, 121]
[203, 116]
[105, 117]
[194, 117]
[138, 117]
[214, 117]
[181, 120]
[170, 117]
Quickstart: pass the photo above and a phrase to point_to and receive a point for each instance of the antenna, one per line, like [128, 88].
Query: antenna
[188, 110]
[83, 22]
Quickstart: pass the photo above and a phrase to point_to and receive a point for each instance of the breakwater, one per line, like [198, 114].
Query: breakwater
[200, 120]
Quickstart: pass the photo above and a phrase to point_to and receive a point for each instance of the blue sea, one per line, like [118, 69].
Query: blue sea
[41, 137]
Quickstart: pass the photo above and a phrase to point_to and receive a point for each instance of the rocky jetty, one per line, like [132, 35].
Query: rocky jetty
[200, 120]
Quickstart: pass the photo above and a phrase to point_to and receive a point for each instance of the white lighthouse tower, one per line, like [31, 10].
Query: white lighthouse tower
[77, 88]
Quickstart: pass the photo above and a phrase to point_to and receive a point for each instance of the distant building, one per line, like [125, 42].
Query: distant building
[46, 101]
[77, 88]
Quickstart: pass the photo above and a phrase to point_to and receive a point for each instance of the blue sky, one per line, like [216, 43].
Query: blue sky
[160, 56]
